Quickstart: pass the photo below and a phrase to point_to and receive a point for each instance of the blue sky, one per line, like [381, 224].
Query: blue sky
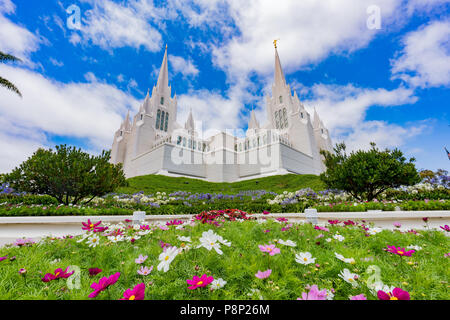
[388, 85]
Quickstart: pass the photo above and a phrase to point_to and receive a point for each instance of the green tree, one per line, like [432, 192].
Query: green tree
[366, 174]
[67, 174]
[3, 82]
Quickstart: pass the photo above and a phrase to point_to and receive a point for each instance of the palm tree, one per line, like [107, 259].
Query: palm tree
[3, 82]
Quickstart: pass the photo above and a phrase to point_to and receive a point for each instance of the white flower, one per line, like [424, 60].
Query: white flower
[184, 239]
[379, 285]
[328, 239]
[417, 248]
[304, 258]
[338, 237]
[347, 260]
[136, 227]
[217, 284]
[115, 238]
[288, 243]
[143, 232]
[166, 258]
[373, 231]
[349, 277]
[330, 295]
[86, 235]
[93, 241]
[210, 240]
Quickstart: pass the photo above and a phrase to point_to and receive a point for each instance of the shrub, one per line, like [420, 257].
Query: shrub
[366, 174]
[68, 174]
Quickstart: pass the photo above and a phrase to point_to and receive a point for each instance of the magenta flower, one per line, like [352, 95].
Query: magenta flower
[3, 258]
[201, 282]
[349, 223]
[270, 249]
[321, 228]
[334, 221]
[90, 226]
[447, 255]
[137, 293]
[359, 297]
[103, 284]
[282, 219]
[397, 224]
[263, 274]
[445, 228]
[94, 271]
[396, 294]
[266, 212]
[23, 242]
[286, 227]
[314, 294]
[174, 223]
[266, 231]
[59, 273]
[400, 251]
[165, 228]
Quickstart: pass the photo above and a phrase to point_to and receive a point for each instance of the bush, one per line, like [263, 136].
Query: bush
[367, 174]
[68, 174]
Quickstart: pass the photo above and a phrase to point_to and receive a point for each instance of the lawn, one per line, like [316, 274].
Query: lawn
[150, 184]
[237, 260]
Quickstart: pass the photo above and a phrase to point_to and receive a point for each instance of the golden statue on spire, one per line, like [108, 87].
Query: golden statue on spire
[275, 43]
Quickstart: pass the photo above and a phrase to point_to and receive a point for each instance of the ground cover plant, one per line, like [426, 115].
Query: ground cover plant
[229, 255]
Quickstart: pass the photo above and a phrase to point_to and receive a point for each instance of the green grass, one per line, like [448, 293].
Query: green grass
[152, 183]
[424, 275]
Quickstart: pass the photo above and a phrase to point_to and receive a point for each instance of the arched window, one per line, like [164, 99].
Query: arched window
[142, 116]
[240, 146]
[184, 142]
[280, 116]
[158, 119]
[285, 118]
[163, 117]
[167, 122]
[121, 132]
[281, 99]
[179, 139]
[162, 100]
[301, 114]
[235, 147]
[195, 145]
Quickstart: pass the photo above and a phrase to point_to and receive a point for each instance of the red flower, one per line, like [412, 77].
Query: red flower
[94, 271]
[137, 293]
[201, 282]
[59, 273]
[396, 294]
[400, 251]
[103, 284]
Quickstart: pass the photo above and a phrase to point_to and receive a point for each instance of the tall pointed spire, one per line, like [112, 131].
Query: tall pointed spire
[163, 79]
[279, 75]
[190, 125]
[317, 122]
[253, 124]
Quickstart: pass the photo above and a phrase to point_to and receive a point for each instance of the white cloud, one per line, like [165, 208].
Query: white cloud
[111, 25]
[6, 6]
[56, 63]
[183, 66]
[425, 59]
[91, 111]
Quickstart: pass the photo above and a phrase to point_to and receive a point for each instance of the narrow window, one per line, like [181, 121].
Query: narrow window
[158, 119]
[285, 118]
[301, 114]
[277, 122]
[235, 148]
[121, 133]
[281, 99]
[142, 116]
[162, 100]
[195, 145]
[184, 142]
[179, 139]
[163, 116]
[167, 122]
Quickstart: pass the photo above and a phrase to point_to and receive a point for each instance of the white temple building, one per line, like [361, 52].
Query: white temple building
[152, 142]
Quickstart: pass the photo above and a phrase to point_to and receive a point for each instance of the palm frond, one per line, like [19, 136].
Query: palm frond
[8, 85]
[8, 57]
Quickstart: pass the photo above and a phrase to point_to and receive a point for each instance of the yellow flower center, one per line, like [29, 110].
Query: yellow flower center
[199, 283]
[166, 258]
[91, 225]
[57, 274]
[305, 259]
[400, 252]
[132, 298]
[393, 298]
[183, 245]
[212, 243]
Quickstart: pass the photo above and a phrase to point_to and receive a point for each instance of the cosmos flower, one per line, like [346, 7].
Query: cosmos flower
[217, 284]
[288, 243]
[304, 258]
[103, 284]
[166, 257]
[314, 294]
[359, 297]
[145, 271]
[201, 282]
[346, 260]
[141, 259]
[93, 227]
[270, 249]
[445, 228]
[94, 271]
[400, 251]
[349, 277]
[93, 241]
[3, 258]
[396, 294]
[263, 274]
[137, 293]
[58, 274]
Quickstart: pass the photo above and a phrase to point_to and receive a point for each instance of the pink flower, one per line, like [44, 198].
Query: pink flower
[23, 242]
[270, 249]
[94, 271]
[141, 259]
[314, 294]
[145, 271]
[349, 222]
[174, 223]
[263, 274]
[90, 226]
[321, 228]
[282, 219]
[446, 255]
[445, 228]
[137, 293]
[425, 219]
[201, 282]
[266, 212]
[164, 228]
[334, 221]
[59, 273]
[3, 258]
[286, 227]
[396, 294]
[266, 231]
[400, 251]
[103, 284]
[397, 224]
[359, 297]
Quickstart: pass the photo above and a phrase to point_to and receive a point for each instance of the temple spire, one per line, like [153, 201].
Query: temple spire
[253, 124]
[163, 79]
[190, 125]
[279, 75]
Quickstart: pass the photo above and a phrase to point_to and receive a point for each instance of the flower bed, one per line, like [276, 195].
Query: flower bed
[239, 259]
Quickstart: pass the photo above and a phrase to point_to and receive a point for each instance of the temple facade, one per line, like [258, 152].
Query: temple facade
[153, 142]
